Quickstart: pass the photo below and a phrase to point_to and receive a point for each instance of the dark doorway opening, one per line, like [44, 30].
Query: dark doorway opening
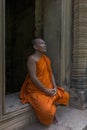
[19, 25]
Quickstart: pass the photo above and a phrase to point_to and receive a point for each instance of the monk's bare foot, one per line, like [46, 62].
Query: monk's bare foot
[55, 120]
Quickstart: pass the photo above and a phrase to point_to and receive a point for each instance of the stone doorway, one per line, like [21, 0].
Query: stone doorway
[19, 25]
[19, 32]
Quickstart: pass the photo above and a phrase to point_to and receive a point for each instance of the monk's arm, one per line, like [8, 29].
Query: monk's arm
[32, 72]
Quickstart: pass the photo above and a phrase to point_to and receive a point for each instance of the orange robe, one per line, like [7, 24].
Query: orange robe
[44, 105]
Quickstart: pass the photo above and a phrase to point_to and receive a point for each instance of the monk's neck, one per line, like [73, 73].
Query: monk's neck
[38, 54]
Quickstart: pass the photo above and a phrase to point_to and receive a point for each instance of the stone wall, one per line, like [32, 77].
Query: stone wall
[57, 34]
[52, 33]
[39, 18]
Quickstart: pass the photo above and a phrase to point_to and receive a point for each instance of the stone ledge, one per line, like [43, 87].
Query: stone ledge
[18, 122]
[12, 103]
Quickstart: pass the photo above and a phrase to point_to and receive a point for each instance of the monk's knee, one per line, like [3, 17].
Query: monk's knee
[67, 96]
[50, 110]
[49, 113]
[49, 119]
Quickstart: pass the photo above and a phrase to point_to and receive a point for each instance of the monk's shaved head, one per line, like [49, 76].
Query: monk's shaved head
[39, 45]
[37, 40]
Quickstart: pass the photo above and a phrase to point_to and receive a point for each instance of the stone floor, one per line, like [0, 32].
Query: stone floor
[38, 126]
[69, 119]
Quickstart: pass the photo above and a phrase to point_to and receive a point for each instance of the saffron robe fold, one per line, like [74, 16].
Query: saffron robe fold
[44, 105]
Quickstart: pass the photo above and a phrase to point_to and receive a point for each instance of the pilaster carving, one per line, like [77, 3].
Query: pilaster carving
[79, 55]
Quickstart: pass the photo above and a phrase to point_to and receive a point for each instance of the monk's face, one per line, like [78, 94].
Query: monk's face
[40, 46]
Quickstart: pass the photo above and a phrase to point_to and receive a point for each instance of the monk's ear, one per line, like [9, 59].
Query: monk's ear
[35, 47]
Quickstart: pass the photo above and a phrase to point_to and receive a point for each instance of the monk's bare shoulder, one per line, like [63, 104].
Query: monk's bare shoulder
[31, 66]
[31, 59]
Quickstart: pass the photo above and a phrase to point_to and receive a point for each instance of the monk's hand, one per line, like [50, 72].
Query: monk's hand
[55, 91]
[51, 92]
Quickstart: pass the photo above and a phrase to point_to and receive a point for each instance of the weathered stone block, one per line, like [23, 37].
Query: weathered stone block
[78, 98]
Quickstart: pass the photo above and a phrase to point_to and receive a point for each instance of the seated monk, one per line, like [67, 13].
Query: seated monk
[39, 88]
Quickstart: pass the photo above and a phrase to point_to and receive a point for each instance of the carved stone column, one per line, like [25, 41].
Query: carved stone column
[79, 55]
